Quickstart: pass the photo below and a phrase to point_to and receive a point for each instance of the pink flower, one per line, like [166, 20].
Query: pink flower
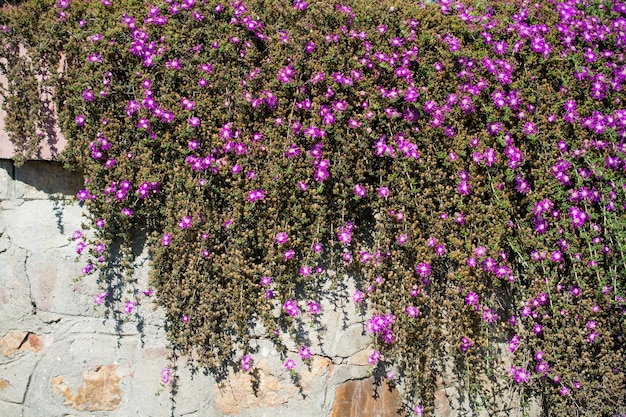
[412, 311]
[314, 308]
[344, 236]
[305, 352]
[357, 297]
[129, 306]
[99, 299]
[291, 308]
[383, 192]
[423, 269]
[290, 364]
[374, 357]
[166, 374]
[246, 363]
[281, 238]
[185, 222]
[360, 191]
[465, 344]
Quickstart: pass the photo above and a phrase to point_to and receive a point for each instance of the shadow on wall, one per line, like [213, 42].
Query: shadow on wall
[47, 177]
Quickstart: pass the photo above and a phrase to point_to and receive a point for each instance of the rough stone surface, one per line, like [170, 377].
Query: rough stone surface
[6, 179]
[60, 355]
[366, 398]
[100, 390]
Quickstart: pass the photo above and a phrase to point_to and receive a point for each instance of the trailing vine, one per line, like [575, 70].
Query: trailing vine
[462, 162]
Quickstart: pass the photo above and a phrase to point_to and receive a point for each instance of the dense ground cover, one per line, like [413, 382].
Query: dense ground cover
[463, 162]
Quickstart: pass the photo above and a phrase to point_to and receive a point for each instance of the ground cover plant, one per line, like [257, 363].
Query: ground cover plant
[462, 161]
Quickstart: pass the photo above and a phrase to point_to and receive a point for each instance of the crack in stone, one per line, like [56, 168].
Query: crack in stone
[30, 287]
[11, 402]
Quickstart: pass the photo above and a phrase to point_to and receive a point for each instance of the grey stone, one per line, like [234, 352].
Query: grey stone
[6, 179]
[17, 372]
[51, 274]
[42, 224]
[46, 180]
[76, 354]
[15, 293]
[10, 409]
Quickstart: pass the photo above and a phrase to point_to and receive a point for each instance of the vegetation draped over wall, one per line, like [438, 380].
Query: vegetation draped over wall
[462, 161]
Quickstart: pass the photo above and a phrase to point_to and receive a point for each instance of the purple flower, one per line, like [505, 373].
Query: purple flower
[489, 316]
[314, 308]
[166, 374]
[281, 238]
[374, 358]
[246, 363]
[286, 74]
[514, 343]
[412, 311]
[289, 254]
[464, 188]
[471, 298]
[291, 308]
[129, 306]
[465, 344]
[520, 375]
[591, 337]
[357, 296]
[185, 222]
[290, 364]
[255, 195]
[360, 191]
[423, 269]
[99, 298]
[383, 192]
[305, 352]
[344, 235]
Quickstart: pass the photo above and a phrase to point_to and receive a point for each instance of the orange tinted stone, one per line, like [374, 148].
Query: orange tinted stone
[362, 398]
[100, 391]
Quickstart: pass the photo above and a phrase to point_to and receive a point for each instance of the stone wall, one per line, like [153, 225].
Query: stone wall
[60, 355]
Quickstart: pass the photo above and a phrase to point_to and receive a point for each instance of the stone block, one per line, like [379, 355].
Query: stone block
[46, 180]
[51, 274]
[10, 409]
[42, 224]
[364, 398]
[100, 390]
[94, 371]
[6, 179]
[16, 374]
[15, 298]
